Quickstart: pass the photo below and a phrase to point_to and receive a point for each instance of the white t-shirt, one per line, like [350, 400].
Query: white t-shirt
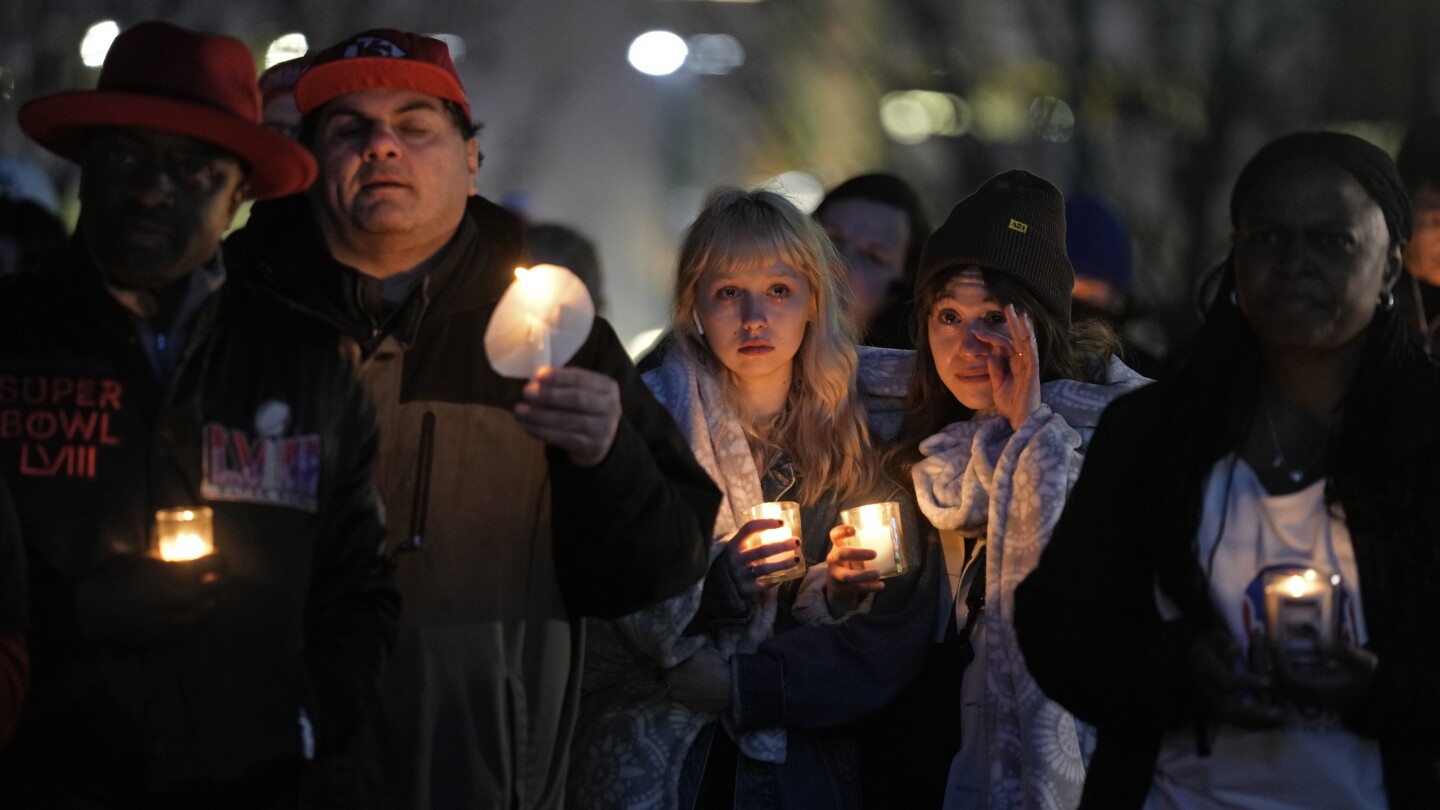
[1313, 761]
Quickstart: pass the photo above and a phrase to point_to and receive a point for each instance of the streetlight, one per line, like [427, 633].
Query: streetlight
[658, 53]
[97, 42]
[285, 48]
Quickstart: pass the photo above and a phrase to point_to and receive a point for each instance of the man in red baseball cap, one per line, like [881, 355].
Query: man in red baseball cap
[135, 378]
[570, 495]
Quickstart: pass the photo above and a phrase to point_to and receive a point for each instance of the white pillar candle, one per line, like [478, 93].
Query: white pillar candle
[540, 293]
[539, 340]
[184, 533]
[879, 540]
[877, 527]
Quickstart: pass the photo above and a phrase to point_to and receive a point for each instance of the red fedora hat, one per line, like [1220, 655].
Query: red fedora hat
[163, 77]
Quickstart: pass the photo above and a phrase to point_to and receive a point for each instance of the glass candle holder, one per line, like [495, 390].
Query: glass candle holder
[1301, 613]
[789, 512]
[877, 527]
[184, 533]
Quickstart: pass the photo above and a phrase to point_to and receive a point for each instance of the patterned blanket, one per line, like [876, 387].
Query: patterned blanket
[981, 476]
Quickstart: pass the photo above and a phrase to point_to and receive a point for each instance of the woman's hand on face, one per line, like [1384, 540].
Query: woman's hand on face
[849, 581]
[1014, 368]
[701, 682]
[746, 566]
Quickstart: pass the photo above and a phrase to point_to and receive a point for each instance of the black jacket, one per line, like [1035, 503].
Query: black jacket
[1093, 638]
[517, 544]
[263, 421]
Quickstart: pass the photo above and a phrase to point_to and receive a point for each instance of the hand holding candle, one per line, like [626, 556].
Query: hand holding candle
[184, 533]
[851, 572]
[1301, 617]
[574, 409]
[143, 601]
[876, 527]
[786, 562]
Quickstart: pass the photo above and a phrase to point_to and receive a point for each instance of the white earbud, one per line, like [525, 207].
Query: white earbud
[698, 327]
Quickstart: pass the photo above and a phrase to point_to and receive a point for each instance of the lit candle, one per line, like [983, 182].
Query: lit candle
[539, 338]
[789, 512]
[877, 527]
[537, 289]
[184, 533]
[1300, 612]
[543, 318]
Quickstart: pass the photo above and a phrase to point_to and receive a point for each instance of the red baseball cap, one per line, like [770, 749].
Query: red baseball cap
[163, 77]
[381, 58]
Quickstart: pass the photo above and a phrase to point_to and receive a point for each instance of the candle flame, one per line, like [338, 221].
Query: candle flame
[874, 514]
[184, 533]
[1298, 585]
[184, 546]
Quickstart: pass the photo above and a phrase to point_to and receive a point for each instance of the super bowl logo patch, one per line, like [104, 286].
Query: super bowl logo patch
[266, 466]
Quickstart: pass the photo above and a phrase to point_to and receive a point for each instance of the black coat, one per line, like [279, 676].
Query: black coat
[1093, 638]
[478, 704]
[263, 421]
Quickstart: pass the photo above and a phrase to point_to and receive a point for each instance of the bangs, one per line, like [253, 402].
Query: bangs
[750, 244]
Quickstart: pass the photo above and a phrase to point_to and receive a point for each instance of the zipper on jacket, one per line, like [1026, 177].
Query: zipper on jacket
[424, 460]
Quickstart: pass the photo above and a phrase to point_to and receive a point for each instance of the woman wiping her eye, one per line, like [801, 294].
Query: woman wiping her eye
[1005, 394]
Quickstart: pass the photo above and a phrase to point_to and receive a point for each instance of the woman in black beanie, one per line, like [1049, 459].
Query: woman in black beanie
[1005, 392]
[1250, 562]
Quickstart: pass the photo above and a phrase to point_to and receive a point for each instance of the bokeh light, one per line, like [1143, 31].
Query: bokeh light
[912, 116]
[455, 43]
[799, 187]
[643, 342]
[1000, 115]
[285, 48]
[97, 42]
[904, 118]
[658, 53]
[1052, 119]
[715, 54]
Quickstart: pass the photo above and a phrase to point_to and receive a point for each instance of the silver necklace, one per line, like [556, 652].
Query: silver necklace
[1295, 474]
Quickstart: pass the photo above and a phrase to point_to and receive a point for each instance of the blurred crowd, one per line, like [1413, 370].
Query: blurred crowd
[365, 504]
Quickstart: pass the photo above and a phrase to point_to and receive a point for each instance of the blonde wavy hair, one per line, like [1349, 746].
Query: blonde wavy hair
[822, 429]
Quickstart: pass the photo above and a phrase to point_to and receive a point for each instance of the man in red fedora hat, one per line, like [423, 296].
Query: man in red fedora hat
[135, 380]
[568, 495]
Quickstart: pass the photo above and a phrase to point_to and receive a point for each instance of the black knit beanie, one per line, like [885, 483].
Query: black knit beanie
[1014, 224]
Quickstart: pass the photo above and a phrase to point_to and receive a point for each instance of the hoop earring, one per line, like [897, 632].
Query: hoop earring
[1387, 301]
[696, 316]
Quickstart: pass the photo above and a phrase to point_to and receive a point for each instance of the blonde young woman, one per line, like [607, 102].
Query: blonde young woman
[738, 693]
